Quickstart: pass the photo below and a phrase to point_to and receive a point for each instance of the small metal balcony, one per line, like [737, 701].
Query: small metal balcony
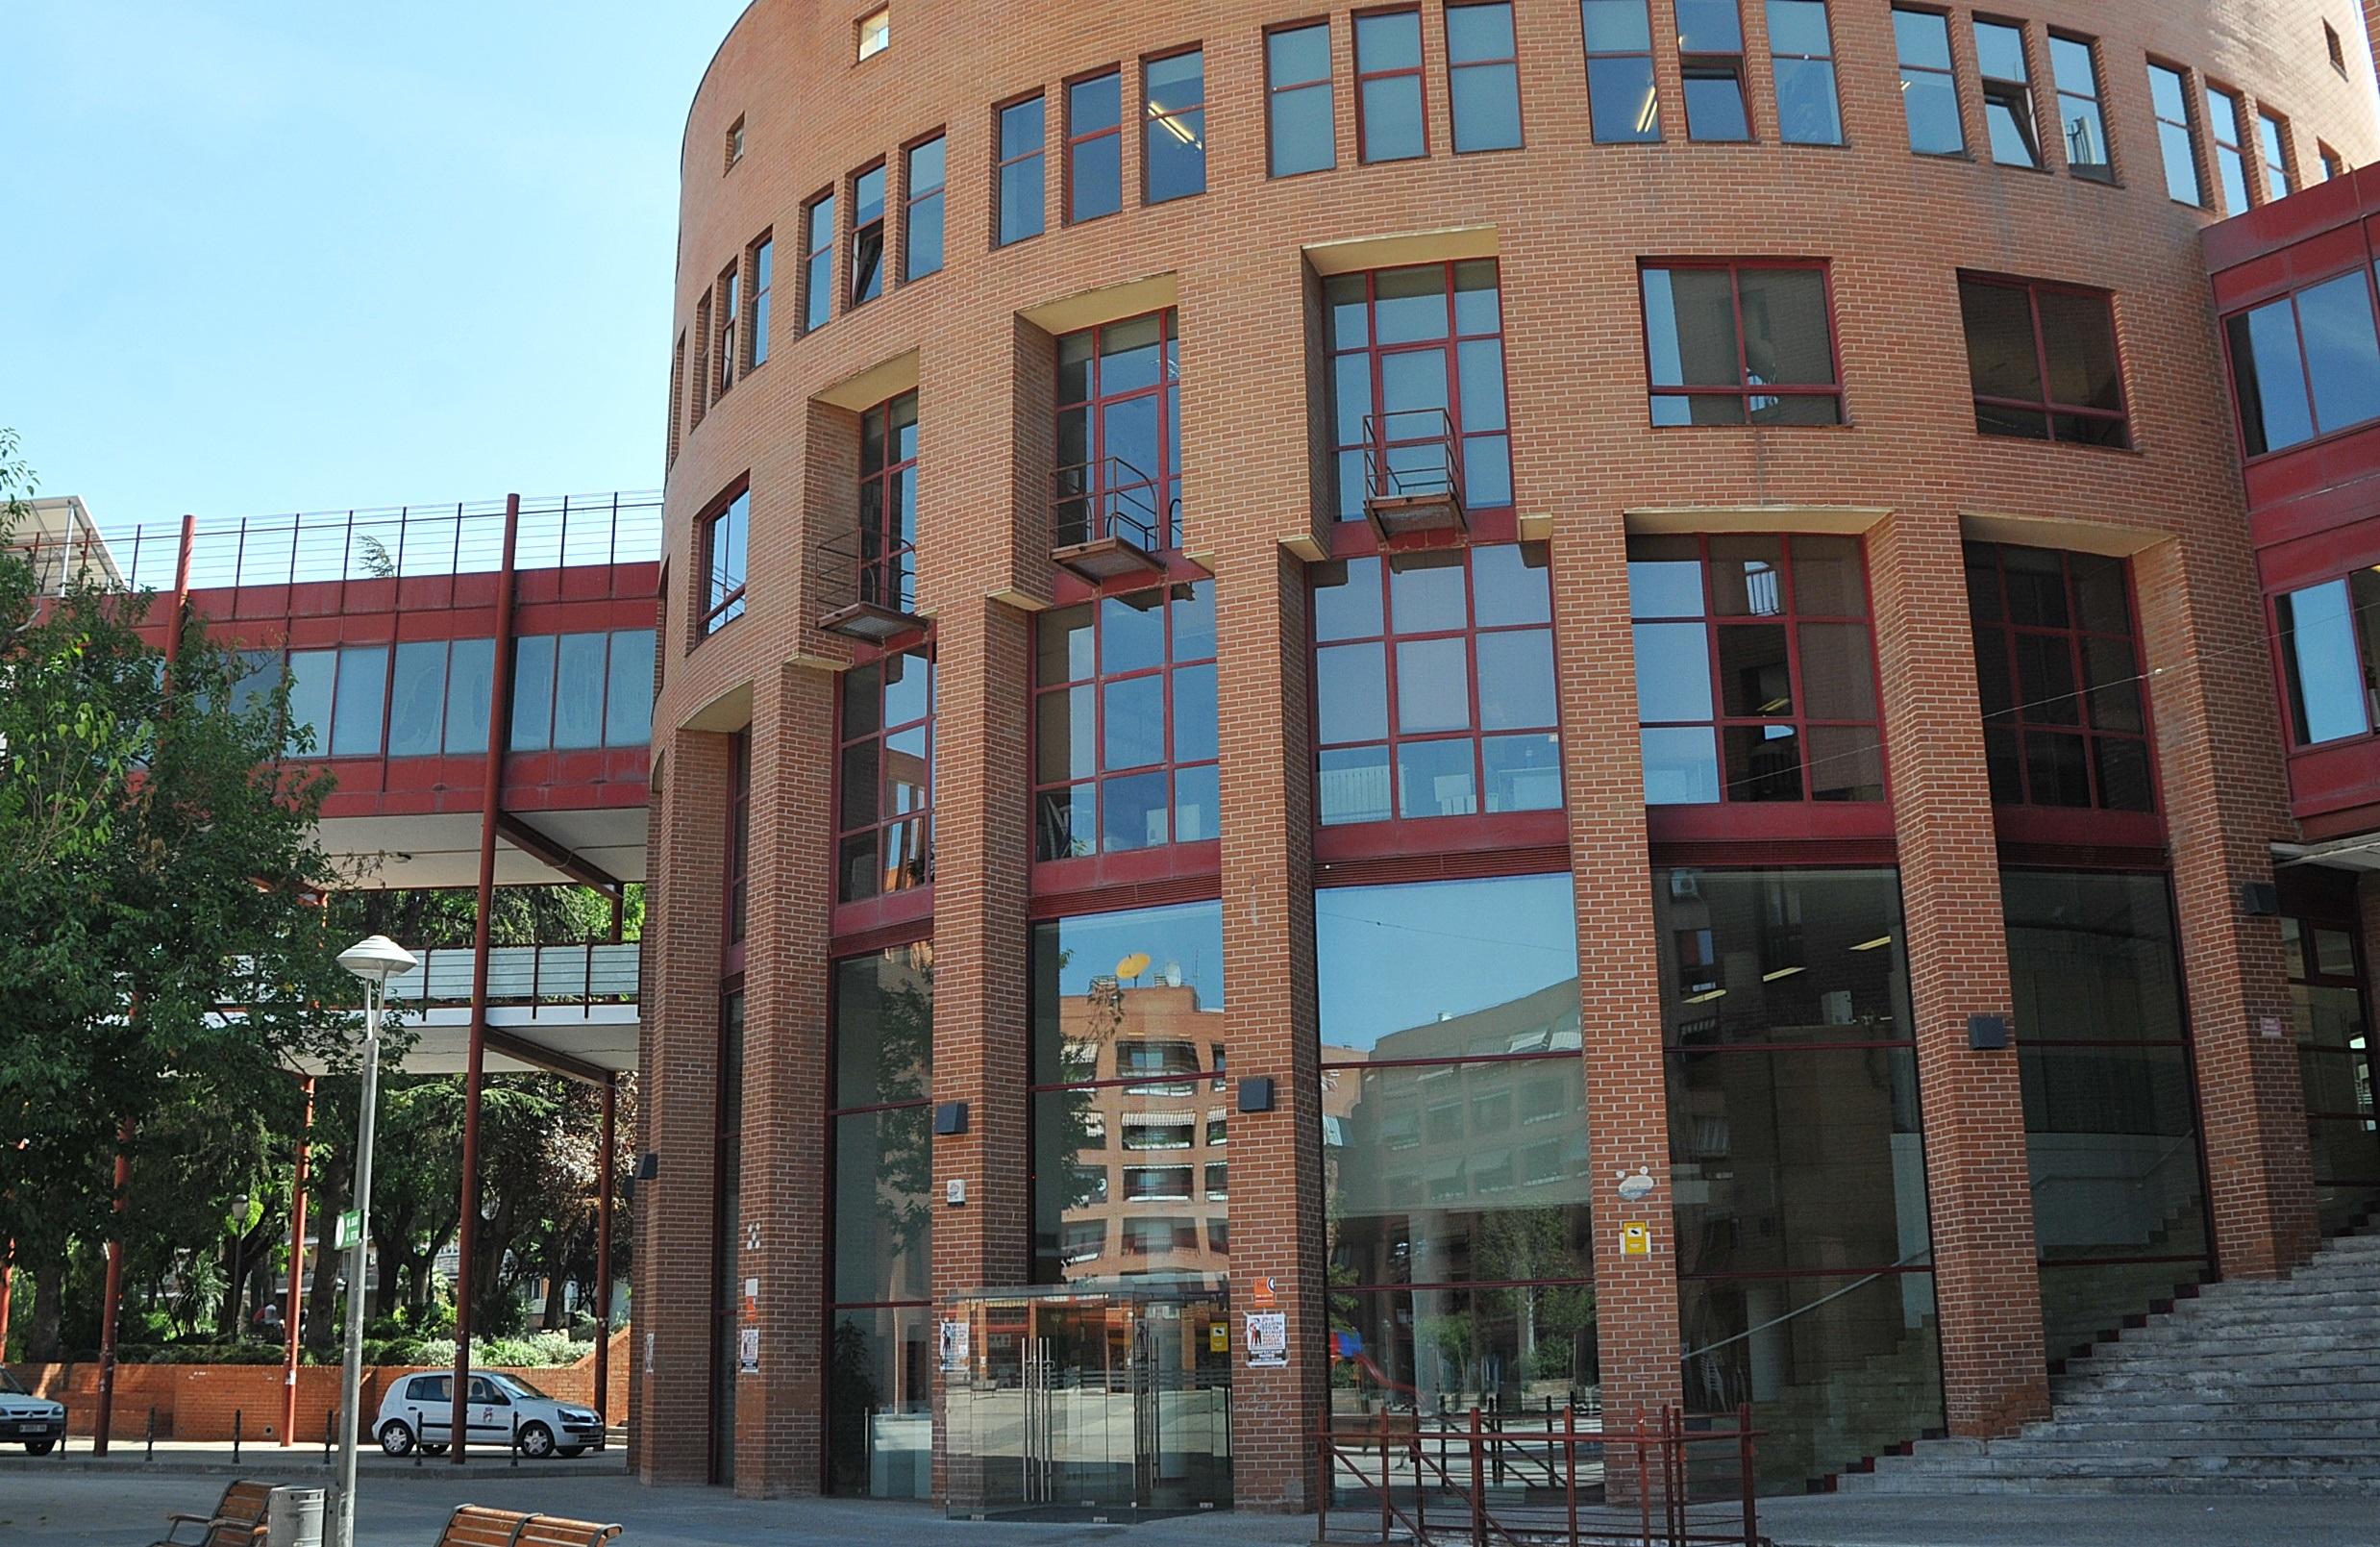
[1111, 520]
[1413, 473]
[880, 577]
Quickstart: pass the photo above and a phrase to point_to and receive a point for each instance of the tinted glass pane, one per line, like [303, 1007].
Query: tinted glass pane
[2342, 351]
[1616, 26]
[1509, 584]
[1432, 686]
[1194, 713]
[880, 1403]
[1425, 593]
[883, 1027]
[2322, 664]
[628, 706]
[1690, 327]
[1681, 766]
[1523, 773]
[1672, 672]
[2079, 332]
[1516, 680]
[470, 680]
[1786, 336]
[1478, 33]
[1807, 107]
[1388, 43]
[1346, 600]
[1798, 27]
[1755, 680]
[1103, 982]
[1133, 811]
[1352, 691]
[1063, 735]
[1781, 957]
[2267, 373]
[1487, 105]
[1174, 160]
[1448, 969]
[1304, 131]
[1665, 577]
[1134, 722]
[1435, 779]
[416, 712]
[1932, 103]
[580, 671]
[1391, 119]
[313, 679]
[1838, 672]
[882, 1225]
[1353, 784]
[1197, 805]
[532, 692]
[2002, 360]
[1620, 100]
[362, 691]
[1846, 762]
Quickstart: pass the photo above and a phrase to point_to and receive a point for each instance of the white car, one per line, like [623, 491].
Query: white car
[36, 1423]
[502, 1410]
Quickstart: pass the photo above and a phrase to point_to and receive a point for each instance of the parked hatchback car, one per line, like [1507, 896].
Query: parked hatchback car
[501, 1410]
[36, 1423]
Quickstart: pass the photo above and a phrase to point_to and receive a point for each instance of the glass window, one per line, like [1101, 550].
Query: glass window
[1929, 90]
[2119, 1207]
[362, 696]
[2074, 69]
[884, 782]
[763, 281]
[580, 672]
[2328, 659]
[2334, 1056]
[1741, 344]
[1435, 686]
[1105, 986]
[470, 684]
[2058, 664]
[1483, 77]
[1710, 57]
[1300, 118]
[817, 261]
[1119, 433]
[1125, 724]
[723, 550]
[533, 693]
[887, 560]
[1174, 141]
[1417, 366]
[1019, 175]
[628, 700]
[1765, 690]
[875, 33]
[2273, 137]
[739, 839]
[2226, 126]
[867, 265]
[1802, 50]
[2306, 364]
[731, 312]
[417, 700]
[1621, 104]
[2044, 363]
[1094, 147]
[921, 220]
[313, 682]
[1389, 124]
[2169, 91]
[2007, 94]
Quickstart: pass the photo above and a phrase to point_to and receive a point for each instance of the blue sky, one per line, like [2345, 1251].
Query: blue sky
[272, 256]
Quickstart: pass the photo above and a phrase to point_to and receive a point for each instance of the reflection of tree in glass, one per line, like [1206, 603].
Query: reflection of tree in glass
[1521, 1247]
[850, 1375]
[904, 1059]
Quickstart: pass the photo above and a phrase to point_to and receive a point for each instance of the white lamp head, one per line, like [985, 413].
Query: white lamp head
[378, 960]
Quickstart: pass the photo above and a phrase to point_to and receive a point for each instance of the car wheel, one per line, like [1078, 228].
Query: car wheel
[536, 1441]
[429, 1449]
[571, 1452]
[395, 1439]
[39, 1447]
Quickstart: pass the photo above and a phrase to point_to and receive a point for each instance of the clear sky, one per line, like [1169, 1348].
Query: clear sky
[276, 254]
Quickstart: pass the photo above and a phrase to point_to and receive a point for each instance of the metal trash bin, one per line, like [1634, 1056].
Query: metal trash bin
[293, 1518]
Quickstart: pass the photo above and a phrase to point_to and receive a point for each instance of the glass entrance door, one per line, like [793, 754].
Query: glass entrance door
[1092, 1400]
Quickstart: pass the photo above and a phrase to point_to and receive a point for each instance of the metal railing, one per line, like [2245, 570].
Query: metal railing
[864, 566]
[1412, 454]
[525, 974]
[1445, 1479]
[1110, 498]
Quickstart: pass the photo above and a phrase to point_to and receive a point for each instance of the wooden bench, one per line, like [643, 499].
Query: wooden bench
[238, 1519]
[475, 1525]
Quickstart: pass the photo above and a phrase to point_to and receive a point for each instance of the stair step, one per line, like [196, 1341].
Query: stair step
[2154, 1430]
[2242, 1445]
[1927, 1483]
[2243, 1414]
[2281, 1354]
[2048, 1462]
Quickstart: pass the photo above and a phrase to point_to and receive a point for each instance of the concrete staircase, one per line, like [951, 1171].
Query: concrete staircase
[2262, 1388]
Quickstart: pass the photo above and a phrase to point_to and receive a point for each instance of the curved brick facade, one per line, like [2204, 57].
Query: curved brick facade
[1568, 221]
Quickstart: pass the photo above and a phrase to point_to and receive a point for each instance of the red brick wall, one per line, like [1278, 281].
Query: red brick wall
[1570, 221]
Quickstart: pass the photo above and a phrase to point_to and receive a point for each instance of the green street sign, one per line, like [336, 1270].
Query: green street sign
[350, 1226]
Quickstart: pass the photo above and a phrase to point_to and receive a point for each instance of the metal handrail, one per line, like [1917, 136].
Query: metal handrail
[601, 973]
[886, 577]
[1397, 455]
[1108, 497]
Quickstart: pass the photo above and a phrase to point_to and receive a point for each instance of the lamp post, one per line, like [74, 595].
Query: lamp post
[375, 960]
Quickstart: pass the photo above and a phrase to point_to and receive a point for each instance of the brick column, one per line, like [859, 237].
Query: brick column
[677, 1101]
[2216, 723]
[1987, 1286]
[780, 1412]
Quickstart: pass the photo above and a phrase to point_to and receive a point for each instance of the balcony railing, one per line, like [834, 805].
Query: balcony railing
[879, 579]
[1413, 472]
[525, 974]
[1111, 520]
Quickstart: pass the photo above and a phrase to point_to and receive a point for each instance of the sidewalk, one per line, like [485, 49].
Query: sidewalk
[303, 1463]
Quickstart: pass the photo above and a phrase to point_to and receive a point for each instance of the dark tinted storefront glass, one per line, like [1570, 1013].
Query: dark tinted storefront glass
[880, 1403]
[882, 1219]
[883, 1029]
[1809, 956]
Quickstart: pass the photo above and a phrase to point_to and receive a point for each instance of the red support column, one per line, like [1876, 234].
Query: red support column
[499, 721]
[603, 1182]
[297, 1270]
[8, 1284]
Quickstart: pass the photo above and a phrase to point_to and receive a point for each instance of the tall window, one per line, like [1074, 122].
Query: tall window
[2227, 127]
[2330, 657]
[1802, 52]
[1710, 56]
[2335, 1061]
[1094, 148]
[1172, 161]
[2272, 136]
[2338, 52]
[1435, 686]
[2334, 165]
[1119, 433]
[886, 782]
[731, 312]
[880, 1372]
[2306, 364]
[577, 690]
[1417, 356]
[2074, 68]
[1755, 671]
[921, 215]
[735, 144]
[888, 503]
[1929, 89]
[1455, 1182]
[1130, 1136]
[1483, 77]
[2058, 664]
[1299, 120]
[2109, 1118]
[702, 357]
[1389, 122]
[1803, 1249]
[737, 926]
[1740, 343]
[724, 537]
[817, 261]
[341, 697]
[2007, 94]
[763, 282]
[2168, 91]
[1621, 104]
[2044, 363]
[677, 395]
[1123, 724]
[867, 265]
[1020, 171]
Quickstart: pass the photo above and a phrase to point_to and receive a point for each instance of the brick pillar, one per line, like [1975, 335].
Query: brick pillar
[1619, 968]
[780, 1412]
[1269, 1019]
[1987, 1286]
[678, 1098]
[2217, 725]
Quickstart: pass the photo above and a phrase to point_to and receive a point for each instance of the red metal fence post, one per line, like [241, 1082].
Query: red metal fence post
[1570, 1468]
[1478, 1484]
[1743, 1464]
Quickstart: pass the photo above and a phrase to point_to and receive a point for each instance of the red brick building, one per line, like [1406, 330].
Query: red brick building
[1641, 612]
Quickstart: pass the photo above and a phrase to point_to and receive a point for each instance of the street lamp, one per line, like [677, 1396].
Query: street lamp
[375, 960]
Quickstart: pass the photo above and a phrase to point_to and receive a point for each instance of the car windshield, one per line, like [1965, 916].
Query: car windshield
[8, 1384]
[515, 1385]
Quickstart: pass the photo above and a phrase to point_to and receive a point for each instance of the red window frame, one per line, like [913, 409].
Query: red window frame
[911, 198]
[2013, 91]
[1903, 68]
[817, 261]
[1418, 70]
[2369, 269]
[2302, 961]
[2015, 723]
[864, 232]
[1648, 127]
[2049, 410]
[1156, 494]
[1075, 142]
[913, 851]
[677, 397]
[1448, 344]
[1791, 621]
[1710, 64]
[2279, 163]
[1275, 89]
[735, 924]
[724, 595]
[702, 361]
[1156, 121]
[730, 291]
[1505, 61]
[763, 254]
[1038, 153]
[1745, 391]
[2236, 147]
[2198, 161]
[888, 543]
[2103, 170]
